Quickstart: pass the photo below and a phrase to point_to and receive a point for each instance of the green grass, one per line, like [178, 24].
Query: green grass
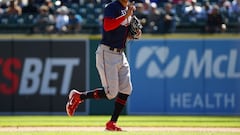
[124, 121]
[145, 121]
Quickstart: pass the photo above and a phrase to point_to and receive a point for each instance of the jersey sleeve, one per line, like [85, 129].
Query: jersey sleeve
[109, 11]
[111, 19]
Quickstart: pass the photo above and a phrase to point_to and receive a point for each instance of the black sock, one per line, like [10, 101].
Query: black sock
[95, 94]
[119, 105]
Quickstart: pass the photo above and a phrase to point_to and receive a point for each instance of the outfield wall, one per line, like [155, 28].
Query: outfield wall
[185, 76]
[36, 75]
[170, 75]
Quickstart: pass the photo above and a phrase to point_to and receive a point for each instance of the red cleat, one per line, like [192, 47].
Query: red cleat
[73, 102]
[112, 126]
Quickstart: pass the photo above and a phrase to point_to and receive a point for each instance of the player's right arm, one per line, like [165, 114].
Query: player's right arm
[112, 23]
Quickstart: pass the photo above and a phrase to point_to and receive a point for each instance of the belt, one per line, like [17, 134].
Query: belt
[116, 49]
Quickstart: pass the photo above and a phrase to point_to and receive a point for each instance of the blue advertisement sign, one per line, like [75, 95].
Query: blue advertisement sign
[182, 76]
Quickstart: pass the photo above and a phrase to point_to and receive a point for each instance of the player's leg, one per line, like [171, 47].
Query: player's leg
[77, 97]
[97, 93]
[109, 77]
[125, 89]
[73, 101]
[107, 66]
[119, 105]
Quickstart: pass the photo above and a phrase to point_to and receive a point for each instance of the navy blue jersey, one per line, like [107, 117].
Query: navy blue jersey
[117, 37]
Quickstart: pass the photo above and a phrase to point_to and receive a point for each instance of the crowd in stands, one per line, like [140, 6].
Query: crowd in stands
[157, 16]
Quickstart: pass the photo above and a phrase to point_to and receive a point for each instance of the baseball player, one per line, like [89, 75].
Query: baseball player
[111, 62]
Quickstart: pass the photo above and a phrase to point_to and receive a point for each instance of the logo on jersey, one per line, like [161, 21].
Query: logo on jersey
[127, 20]
[159, 65]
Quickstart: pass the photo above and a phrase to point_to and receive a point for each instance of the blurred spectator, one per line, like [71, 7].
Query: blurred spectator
[141, 15]
[215, 21]
[184, 4]
[168, 19]
[13, 9]
[206, 9]
[75, 1]
[20, 2]
[156, 1]
[193, 12]
[236, 7]
[153, 20]
[3, 4]
[44, 22]
[50, 5]
[62, 19]
[153, 14]
[31, 8]
[176, 2]
[1, 9]
[91, 1]
[225, 9]
[236, 12]
[75, 22]
[220, 3]
[39, 2]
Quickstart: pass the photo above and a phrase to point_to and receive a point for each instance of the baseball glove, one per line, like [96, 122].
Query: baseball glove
[134, 27]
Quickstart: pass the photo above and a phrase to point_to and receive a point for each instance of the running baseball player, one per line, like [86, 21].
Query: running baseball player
[111, 62]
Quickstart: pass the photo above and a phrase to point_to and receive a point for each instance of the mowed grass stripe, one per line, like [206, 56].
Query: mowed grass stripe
[127, 121]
